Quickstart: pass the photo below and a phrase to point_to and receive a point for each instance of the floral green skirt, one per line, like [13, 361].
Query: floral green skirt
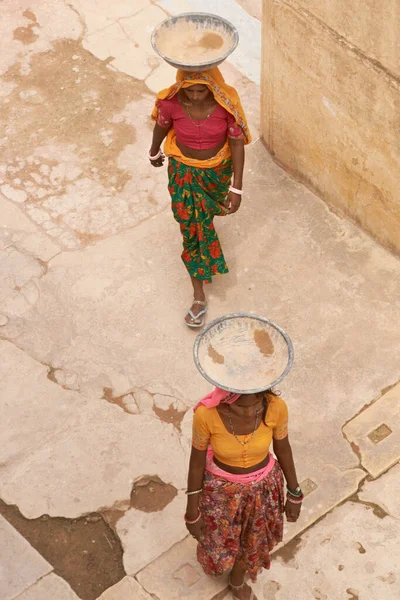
[198, 195]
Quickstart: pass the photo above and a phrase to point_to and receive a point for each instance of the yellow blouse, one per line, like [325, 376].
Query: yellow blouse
[208, 428]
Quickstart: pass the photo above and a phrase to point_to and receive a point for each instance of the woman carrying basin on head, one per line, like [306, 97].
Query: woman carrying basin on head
[205, 128]
[235, 489]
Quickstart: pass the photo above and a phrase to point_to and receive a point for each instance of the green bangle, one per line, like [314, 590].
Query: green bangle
[297, 493]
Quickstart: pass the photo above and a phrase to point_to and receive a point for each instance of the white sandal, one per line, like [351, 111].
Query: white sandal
[199, 319]
[240, 587]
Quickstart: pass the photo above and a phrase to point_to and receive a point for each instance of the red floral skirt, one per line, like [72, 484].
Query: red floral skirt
[242, 520]
[198, 195]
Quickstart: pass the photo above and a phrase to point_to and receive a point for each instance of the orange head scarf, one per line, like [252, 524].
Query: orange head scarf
[223, 93]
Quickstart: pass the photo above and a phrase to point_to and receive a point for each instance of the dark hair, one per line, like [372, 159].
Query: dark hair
[265, 401]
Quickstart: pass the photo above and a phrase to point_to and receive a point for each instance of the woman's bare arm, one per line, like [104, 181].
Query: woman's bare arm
[283, 453]
[159, 135]
[237, 151]
[197, 466]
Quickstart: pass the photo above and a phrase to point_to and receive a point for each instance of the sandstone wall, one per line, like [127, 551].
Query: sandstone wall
[331, 104]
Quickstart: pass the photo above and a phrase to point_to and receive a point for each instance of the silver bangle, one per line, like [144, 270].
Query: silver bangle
[193, 493]
[156, 156]
[236, 191]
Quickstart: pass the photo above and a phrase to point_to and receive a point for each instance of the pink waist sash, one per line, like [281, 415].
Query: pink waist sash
[255, 476]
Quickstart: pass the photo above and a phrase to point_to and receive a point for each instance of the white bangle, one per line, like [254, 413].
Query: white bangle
[156, 156]
[236, 191]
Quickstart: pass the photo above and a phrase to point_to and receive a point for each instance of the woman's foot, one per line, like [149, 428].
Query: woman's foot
[196, 314]
[242, 592]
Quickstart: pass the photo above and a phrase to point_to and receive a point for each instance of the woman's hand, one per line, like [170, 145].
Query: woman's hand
[292, 511]
[233, 202]
[159, 162]
[196, 530]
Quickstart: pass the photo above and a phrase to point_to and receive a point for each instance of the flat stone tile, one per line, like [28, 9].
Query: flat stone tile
[21, 565]
[50, 587]
[384, 491]
[177, 574]
[376, 433]
[162, 77]
[113, 42]
[350, 555]
[64, 454]
[102, 13]
[146, 535]
[126, 589]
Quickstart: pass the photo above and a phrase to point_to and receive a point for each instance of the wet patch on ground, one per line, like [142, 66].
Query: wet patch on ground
[170, 415]
[85, 551]
[289, 551]
[151, 494]
[63, 138]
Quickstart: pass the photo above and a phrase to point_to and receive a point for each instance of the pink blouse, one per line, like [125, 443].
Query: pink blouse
[213, 132]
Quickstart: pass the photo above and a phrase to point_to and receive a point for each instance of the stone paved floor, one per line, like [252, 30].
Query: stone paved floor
[96, 376]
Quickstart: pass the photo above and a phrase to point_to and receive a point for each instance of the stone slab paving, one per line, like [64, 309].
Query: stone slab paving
[385, 492]
[349, 555]
[50, 587]
[375, 433]
[66, 455]
[177, 574]
[126, 589]
[144, 536]
[20, 565]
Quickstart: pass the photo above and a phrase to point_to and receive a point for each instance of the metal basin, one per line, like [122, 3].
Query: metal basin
[243, 353]
[194, 41]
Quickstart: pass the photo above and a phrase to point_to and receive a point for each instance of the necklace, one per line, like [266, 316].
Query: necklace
[233, 431]
[205, 120]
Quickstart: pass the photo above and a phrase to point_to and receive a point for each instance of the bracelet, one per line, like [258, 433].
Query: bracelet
[195, 492]
[193, 522]
[236, 191]
[293, 501]
[295, 493]
[159, 153]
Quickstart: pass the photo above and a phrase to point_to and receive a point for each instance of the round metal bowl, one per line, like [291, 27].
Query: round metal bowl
[201, 21]
[243, 353]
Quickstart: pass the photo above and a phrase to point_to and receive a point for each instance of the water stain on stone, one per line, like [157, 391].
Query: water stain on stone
[390, 578]
[270, 589]
[108, 395]
[170, 415]
[112, 515]
[151, 494]
[215, 356]
[376, 509]
[353, 594]
[28, 14]
[319, 594]
[83, 551]
[124, 402]
[263, 341]
[360, 548]
[87, 238]
[288, 552]
[25, 35]
[78, 105]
